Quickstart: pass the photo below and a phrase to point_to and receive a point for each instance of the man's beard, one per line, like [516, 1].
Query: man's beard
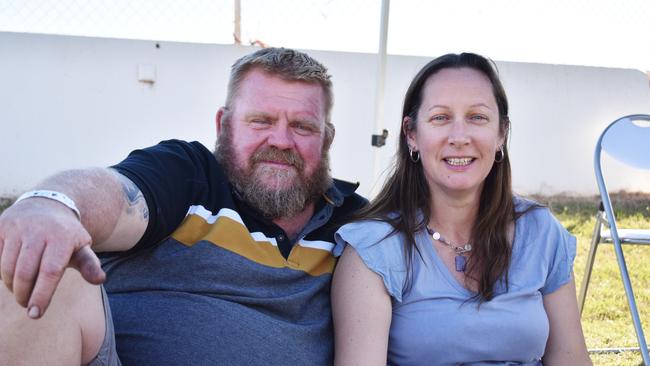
[277, 199]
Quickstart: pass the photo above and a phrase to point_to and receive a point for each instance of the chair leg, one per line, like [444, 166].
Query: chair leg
[595, 240]
[636, 320]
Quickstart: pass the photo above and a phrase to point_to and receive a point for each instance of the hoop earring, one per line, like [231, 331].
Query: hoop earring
[414, 155]
[500, 155]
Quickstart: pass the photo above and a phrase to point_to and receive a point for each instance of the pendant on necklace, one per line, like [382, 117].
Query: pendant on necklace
[461, 263]
[460, 260]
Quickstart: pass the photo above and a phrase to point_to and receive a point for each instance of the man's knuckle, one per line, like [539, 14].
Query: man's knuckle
[82, 239]
[52, 271]
[23, 274]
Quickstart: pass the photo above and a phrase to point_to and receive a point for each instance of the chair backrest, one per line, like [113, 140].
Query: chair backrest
[628, 140]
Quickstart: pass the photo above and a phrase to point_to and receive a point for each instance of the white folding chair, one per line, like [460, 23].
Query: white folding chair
[627, 140]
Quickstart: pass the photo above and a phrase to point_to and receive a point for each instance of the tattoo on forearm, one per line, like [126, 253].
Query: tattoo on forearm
[134, 198]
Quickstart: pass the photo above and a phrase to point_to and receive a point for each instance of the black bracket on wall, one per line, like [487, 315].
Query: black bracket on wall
[380, 140]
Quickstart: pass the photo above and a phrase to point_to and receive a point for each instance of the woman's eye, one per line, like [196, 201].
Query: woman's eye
[479, 117]
[439, 118]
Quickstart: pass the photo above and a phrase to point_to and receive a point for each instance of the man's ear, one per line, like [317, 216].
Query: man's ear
[330, 131]
[219, 119]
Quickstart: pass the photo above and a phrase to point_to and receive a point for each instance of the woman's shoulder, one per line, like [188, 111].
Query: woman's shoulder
[542, 238]
[369, 234]
[525, 204]
[380, 246]
[535, 215]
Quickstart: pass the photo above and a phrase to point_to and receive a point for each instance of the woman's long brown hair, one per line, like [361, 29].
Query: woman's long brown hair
[406, 191]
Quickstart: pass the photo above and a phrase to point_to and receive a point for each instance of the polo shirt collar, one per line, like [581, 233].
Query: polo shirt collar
[338, 191]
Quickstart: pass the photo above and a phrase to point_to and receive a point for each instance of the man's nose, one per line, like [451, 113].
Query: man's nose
[281, 137]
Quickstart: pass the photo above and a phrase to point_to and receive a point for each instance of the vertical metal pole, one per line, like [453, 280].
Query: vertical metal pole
[381, 81]
[237, 32]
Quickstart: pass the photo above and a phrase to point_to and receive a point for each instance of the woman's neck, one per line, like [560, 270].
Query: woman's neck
[454, 217]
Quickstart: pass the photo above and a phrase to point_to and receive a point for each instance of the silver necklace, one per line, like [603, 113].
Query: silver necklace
[460, 260]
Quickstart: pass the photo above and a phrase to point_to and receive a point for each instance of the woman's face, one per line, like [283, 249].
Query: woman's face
[457, 131]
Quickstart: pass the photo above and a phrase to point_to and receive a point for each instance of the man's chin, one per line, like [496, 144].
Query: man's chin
[283, 179]
[278, 185]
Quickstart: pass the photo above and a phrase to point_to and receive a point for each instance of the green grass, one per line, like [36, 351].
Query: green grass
[606, 319]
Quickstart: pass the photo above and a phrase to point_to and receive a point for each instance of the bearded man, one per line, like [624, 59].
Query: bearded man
[208, 258]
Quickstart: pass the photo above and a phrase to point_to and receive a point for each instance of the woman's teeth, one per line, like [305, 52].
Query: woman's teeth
[458, 161]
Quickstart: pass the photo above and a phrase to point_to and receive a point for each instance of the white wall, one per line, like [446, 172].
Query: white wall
[70, 102]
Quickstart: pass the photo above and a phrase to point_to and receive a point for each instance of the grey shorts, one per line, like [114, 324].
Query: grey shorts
[107, 355]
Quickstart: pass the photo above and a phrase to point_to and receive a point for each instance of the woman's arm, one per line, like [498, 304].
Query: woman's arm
[361, 308]
[566, 343]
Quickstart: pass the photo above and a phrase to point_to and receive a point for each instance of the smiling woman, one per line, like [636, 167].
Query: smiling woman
[446, 265]
[460, 131]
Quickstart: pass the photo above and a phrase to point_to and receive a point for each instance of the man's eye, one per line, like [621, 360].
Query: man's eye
[303, 129]
[260, 123]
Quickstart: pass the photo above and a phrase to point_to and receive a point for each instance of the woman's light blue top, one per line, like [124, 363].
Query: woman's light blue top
[436, 322]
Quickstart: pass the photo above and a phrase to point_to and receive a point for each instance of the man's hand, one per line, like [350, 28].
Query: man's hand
[39, 239]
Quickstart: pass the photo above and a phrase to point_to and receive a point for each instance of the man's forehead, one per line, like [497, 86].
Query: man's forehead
[266, 90]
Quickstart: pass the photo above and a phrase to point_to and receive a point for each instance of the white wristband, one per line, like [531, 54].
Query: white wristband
[53, 195]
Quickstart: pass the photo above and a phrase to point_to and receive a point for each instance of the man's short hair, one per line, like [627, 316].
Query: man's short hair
[290, 65]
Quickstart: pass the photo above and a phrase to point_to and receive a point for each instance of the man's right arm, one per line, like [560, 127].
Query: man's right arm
[40, 237]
